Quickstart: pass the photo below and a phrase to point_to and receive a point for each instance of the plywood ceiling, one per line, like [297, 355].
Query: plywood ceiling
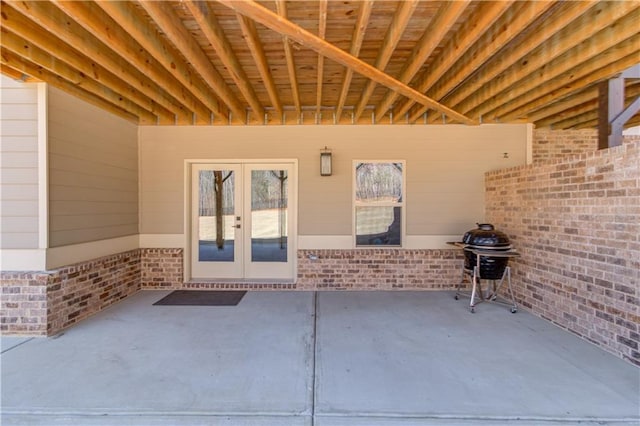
[230, 62]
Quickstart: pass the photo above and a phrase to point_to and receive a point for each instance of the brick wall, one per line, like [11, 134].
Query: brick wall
[551, 145]
[44, 303]
[577, 224]
[23, 306]
[359, 269]
[379, 269]
[161, 268]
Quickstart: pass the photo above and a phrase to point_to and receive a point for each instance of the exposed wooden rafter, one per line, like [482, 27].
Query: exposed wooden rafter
[281, 6]
[391, 39]
[284, 62]
[431, 38]
[285, 27]
[180, 37]
[356, 44]
[488, 13]
[322, 29]
[250, 35]
[214, 34]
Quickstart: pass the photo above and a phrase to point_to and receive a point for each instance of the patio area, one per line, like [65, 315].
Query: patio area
[304, 358]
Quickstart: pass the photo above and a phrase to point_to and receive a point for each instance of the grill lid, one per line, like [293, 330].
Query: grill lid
[487, 238]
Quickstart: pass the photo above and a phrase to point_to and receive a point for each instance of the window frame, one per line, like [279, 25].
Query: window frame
[402, 205]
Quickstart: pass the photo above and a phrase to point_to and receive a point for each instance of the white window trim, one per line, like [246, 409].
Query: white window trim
[402, 205]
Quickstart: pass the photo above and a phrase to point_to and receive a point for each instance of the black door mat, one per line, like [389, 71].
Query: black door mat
[202, 298]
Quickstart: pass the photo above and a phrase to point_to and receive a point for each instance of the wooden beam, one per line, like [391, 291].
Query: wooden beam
[40, 58]
[17, 75]
[171, 25]
[510, 24]
[281, 7]
[484, 17]
[446, 16]
[214, 34]
[515, 54]
[18, 63]
[587, 111]
[322, 29]
[101, 26]
[543, 117]
[147, 35]
[589, 74]
[54, 23]
[277, 23]
[585, 60]
[30, 32]
[356, 43]
[250, 34]
[548, 60]
[392, 37]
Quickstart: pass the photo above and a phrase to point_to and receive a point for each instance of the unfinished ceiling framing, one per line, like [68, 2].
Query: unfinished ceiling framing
[229, 62]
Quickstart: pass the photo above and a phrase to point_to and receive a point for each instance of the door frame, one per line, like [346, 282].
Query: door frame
[187, 223]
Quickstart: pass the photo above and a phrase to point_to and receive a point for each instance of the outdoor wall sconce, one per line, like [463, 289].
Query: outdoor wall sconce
[325, 162]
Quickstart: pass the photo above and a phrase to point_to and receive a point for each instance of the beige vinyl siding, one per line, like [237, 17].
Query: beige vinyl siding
[445, 169]
[19, 207]
[93, 173]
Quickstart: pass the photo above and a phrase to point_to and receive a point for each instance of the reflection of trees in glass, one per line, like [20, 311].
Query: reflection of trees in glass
[269, 191]
[216, 198]
[379, 182]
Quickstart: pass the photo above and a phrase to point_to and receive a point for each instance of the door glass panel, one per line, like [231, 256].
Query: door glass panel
[216, 216]
[269, 215]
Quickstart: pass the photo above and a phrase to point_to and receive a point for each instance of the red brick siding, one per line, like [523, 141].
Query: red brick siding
[577, 224]
[44, 303]
[162, 268]
[550, 145]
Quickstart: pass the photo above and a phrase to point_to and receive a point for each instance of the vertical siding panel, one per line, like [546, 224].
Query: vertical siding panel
[18, 165]
[93, 173]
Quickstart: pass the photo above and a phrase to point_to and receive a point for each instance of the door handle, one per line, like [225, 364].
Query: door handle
[238, 226]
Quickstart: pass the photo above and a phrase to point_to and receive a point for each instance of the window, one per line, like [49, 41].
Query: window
[379, 203]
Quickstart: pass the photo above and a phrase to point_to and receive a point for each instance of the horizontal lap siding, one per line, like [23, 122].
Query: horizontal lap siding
[445, 169]
[93, 173]
[18, 165]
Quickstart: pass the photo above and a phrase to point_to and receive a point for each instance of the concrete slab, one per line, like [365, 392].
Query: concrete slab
[283, 358]
[138, 359]
[10, 342]
[405, 355]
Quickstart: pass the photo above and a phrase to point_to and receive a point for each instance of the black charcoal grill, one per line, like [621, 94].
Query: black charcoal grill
[485, 237]
[486, 257]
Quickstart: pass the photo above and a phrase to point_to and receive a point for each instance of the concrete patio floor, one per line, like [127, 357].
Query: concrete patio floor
[327, 359]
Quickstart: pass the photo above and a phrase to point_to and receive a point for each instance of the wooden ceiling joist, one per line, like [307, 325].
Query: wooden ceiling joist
[23, 28]
[356, 43]
[53, 23]
[167, 21]
[468, 34]
[589, 51]
[146, 34]
[322, 30]
[41, 58]
[281, 7]
[565, 76]
[250, 35]
[392, 37]
[510, 24]
[431, 38]
[214, 34]
[285, 27]
[102, 27]
[515, 54]
[284, 62]
[19, 63]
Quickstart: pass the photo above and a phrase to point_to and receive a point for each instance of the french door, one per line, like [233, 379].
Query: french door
[242, 221]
